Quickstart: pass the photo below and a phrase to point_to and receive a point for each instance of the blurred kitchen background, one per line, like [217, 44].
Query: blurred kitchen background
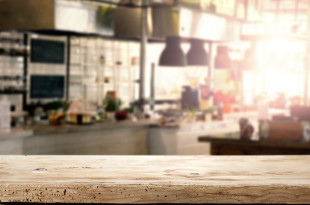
[164, 77]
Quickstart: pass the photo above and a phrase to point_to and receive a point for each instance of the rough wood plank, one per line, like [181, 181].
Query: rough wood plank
[155, 179]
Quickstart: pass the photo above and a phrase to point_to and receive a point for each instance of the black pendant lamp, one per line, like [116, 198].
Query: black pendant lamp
[197, 55]
[172, 54]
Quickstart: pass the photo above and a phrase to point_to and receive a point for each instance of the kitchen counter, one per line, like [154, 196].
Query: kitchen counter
[155, 179]
[71, 128]
[143, 137]
[183, 139]
[11, 140]
[15, 133]
[109, 138]
[114, 138]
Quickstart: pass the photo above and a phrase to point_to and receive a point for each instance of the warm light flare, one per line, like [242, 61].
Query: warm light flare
[288, 83]
[281, 70]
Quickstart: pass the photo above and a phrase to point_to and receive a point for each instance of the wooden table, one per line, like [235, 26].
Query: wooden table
[155, 179]
[221, 145]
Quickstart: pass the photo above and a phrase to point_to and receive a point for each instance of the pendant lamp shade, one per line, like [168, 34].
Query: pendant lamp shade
[197, 55]
[172, 55]
[249, 61]
[222, 59]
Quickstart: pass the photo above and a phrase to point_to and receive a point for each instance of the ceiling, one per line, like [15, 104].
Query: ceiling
[272, 6]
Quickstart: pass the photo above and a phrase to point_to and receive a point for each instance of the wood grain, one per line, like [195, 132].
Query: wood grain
[155, 179]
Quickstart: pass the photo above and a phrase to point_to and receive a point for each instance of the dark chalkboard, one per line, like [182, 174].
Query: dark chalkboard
[47, 51]
[189, 98]
[47, 86]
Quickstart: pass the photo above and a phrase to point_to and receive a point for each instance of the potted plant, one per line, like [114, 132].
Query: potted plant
[111, 105]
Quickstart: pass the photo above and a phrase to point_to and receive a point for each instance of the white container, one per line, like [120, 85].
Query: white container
[264, 129]
[5, 113]
[263, 113]
[306, 131]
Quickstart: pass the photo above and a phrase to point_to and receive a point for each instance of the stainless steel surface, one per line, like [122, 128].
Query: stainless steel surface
[61, 15]
[83, 16]
[127, 22]
[27, 14]
[176, 21]
[97, 18]
[191, 23]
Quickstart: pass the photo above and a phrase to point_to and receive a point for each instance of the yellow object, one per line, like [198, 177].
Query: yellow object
[204, 104]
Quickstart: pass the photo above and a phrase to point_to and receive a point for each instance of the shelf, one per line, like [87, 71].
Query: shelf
[12, 77]
[12, 92]
[13, 53]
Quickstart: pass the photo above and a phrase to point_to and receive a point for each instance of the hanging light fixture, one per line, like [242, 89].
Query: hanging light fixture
[172, 54]
[249, 61]
[197, 55]
[222, 59]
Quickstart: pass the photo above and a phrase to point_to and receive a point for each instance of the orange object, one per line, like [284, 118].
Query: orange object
[57, 119]
[227, 108]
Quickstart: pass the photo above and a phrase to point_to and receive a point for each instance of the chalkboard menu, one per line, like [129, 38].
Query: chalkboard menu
[47, 86]
[189, 99]
[47, 51]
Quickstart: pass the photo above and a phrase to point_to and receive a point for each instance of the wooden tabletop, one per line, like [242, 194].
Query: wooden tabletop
[155, 179]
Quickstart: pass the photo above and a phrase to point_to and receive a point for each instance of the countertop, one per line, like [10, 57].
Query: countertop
[230, 123]
[71, 128]
[155, 179]
[40, 129]
[15, 133]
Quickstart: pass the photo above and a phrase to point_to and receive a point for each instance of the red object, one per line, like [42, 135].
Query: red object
[121, 115]
[219, 97]
[227, 108]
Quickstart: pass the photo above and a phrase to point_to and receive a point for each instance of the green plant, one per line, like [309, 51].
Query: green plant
[111, 104]
[54, 105]
[129, 109]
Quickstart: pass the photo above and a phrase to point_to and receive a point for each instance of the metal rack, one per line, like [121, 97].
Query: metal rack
[13, 66]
